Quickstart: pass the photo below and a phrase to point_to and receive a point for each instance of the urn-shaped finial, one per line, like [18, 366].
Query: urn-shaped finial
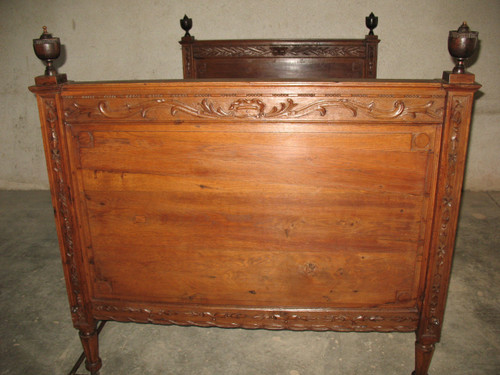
[371, 22]
[47, 48]
[461, 44]
[186, 24]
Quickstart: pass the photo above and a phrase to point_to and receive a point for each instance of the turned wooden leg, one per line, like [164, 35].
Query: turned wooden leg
[91, 349]
[423, 357]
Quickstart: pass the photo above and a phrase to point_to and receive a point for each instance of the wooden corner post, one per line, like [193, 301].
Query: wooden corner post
[187, 48]
[460, 87]
[48, 92]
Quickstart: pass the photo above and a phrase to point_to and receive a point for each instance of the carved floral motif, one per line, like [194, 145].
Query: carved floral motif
[187, 62]
[449, 209]
[251, 109]
[371, 61]
[64, 204]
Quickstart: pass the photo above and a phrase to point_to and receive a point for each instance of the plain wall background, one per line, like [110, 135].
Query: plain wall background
[130, 39]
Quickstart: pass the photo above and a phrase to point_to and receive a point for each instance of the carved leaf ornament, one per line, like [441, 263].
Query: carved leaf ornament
[448, 207]
[259, 320]
[252, 109]
[279, 50]
[64, 208]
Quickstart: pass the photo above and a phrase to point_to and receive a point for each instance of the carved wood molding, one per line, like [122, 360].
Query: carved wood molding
[251, 109]
[372, 50]
[188, 73]
[63, 209]
[449, 202]
[348, 321]
[278, 50]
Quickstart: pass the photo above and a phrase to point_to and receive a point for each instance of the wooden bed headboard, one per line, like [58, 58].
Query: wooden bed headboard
[280, 59]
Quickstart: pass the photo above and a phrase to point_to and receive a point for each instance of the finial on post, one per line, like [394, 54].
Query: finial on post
[371, 22]
[461, 44]
[186, 24]
[48, 48]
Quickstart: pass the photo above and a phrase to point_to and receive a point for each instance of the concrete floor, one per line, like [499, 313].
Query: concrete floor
[37, 337]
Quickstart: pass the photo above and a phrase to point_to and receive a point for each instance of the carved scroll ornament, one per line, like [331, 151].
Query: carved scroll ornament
[251, 109]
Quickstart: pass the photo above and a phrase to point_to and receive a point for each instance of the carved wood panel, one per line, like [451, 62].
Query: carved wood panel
[304, 50]
[258, 107]
[285, 59]
[361, 321]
